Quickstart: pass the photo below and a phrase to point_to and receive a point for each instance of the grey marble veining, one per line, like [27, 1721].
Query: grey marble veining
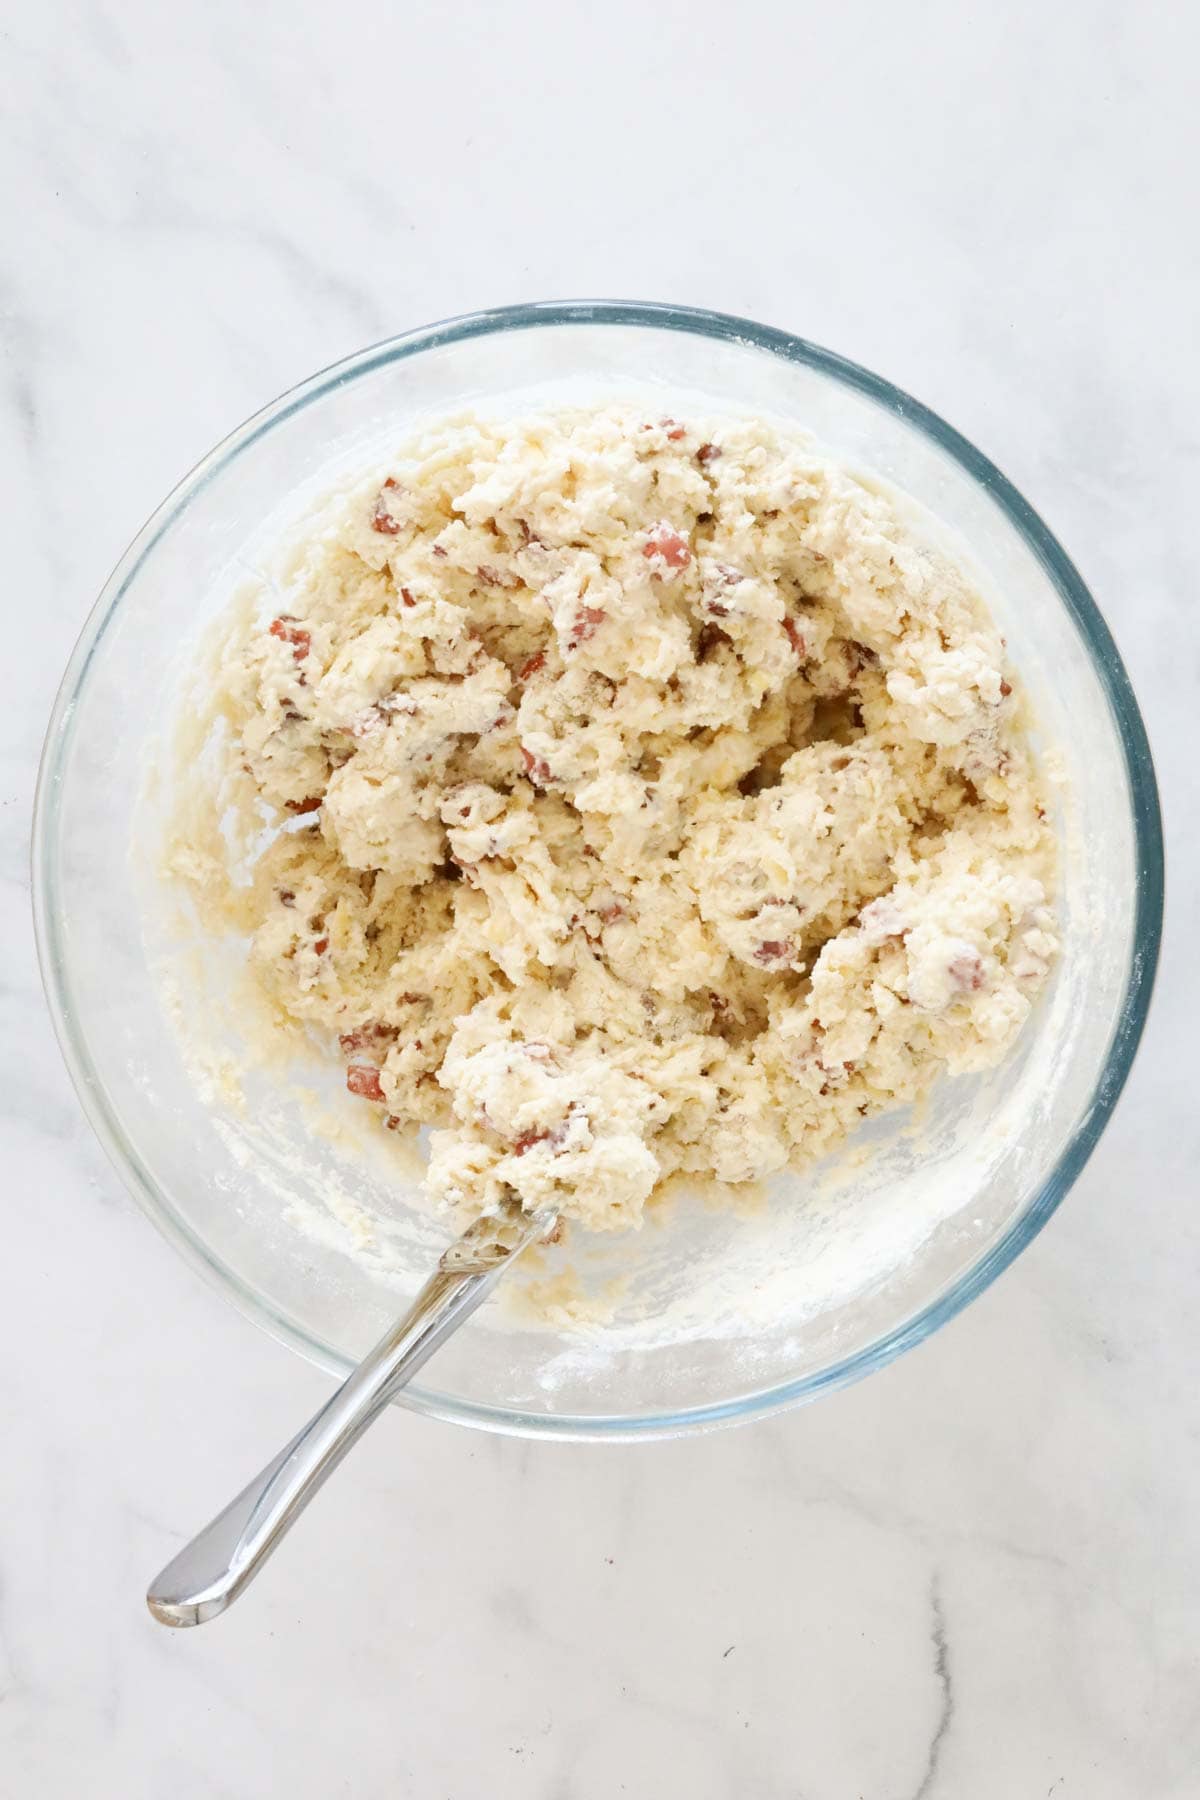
[976, 1576]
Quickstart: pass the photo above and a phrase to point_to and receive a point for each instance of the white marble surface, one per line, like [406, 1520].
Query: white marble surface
[975, 1577]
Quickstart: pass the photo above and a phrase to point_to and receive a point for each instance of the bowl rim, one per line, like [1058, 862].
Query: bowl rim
[1093, 632]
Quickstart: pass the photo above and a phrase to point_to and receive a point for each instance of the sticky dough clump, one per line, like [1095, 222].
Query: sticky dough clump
[657, 802]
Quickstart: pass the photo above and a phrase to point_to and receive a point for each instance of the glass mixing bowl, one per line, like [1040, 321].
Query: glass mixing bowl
[714, 1317]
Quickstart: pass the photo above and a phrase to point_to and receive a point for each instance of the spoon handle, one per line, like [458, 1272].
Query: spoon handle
[208, 1574]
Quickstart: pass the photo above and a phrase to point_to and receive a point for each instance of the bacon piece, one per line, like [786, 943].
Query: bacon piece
[966, 971]
[587, 622]
[495, 578]
[363, 1080]
[666, 547]
[381, 518]
[287, 631]
[527, 1140]
[372, 1035]
[536, 767]
[796, 638]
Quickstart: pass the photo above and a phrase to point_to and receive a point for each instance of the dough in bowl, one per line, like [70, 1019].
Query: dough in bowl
[632, 796]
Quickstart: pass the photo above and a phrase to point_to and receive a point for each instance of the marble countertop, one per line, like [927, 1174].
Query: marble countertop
[975, 1576]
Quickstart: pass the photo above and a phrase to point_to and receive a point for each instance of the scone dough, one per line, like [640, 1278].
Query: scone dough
[653, 799]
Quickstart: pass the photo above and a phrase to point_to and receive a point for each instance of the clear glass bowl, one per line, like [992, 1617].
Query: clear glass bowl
[721, 1318]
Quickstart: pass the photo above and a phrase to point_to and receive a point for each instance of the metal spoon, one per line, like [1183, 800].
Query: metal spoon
[209, 1573]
